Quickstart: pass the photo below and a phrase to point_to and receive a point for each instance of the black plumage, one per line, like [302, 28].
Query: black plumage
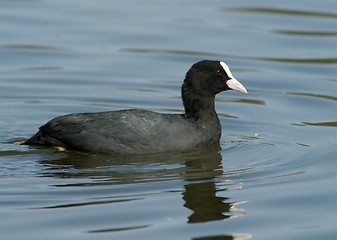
[138, 131]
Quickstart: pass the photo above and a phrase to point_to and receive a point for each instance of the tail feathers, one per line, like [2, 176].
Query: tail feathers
[43, 139]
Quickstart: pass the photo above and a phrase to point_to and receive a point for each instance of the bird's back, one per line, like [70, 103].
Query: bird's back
[125, 132]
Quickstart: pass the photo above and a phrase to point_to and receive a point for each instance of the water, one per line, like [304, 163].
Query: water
[273, 175]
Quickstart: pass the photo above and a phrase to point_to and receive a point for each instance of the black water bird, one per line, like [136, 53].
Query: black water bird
[136, 131]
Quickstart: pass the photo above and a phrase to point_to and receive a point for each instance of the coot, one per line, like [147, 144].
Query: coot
[136, 131]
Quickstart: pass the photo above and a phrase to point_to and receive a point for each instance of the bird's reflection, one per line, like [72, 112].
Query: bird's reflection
[200, 168]
[200, 192]
[226, 237]
[202, 200]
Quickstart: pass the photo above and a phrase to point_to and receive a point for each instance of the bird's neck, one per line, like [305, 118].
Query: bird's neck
[199, 107]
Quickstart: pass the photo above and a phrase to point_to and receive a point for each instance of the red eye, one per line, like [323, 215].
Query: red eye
[218, 73]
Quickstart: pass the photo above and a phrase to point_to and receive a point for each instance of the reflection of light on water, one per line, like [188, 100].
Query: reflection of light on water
[239, 211]
[248, 138]
[242, 236]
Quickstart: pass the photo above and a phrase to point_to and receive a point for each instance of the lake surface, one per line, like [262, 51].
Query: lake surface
[273, 174]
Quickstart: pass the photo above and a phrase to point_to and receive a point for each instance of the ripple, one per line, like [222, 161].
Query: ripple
[322, 124]
[312, 95]
[45, 68]
[281, 11]
[171, 51]
[298, 60]
[32, 47]
[119, 229]
[210, 54]
[329, 79]
[227, 115]
[243, 100]
[71, 205]
[21, 1]
[306, 33]
[141, 89]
